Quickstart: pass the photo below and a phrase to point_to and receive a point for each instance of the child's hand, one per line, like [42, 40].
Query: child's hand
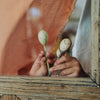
[68, 66]
[39, 67]
[51, 58]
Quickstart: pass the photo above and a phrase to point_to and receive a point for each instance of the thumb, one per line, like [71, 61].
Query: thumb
[40, 56]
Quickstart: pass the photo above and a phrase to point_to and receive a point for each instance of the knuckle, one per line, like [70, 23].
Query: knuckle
[76, 63]
[64, 58]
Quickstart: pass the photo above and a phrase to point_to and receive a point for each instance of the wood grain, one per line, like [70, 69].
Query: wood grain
[9, 97]
[95, 40]
[47, 88]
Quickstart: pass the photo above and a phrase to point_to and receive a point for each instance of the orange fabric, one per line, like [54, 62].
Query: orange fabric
[23, 46]
[10, 13]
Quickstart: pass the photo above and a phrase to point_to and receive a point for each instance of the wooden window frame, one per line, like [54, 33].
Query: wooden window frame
[30, 88]
[95, 41]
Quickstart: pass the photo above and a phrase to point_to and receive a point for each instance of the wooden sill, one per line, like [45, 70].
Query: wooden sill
[49, 88]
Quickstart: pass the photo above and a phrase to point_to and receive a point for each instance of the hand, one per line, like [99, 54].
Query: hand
[51, 59]
[39, 67]
[68, 66]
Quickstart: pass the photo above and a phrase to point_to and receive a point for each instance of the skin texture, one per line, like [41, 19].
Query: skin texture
[68, 66]
[39, 67]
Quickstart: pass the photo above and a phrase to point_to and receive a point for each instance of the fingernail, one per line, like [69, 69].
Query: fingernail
[51, 70]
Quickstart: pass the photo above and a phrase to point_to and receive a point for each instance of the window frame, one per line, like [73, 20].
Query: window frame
[14, 84]
[95, 39]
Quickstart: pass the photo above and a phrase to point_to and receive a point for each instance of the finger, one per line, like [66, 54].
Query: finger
[36, 64]
[51, 61]
[51, 58]
[43, 68]
[34, 69]
[39, 73]
[40, 56]
[43, 60]
[42, 71]
[66, 72]
[50, 55]
[60, 67]
[63, 59]
[73, 75]
[42, 52]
